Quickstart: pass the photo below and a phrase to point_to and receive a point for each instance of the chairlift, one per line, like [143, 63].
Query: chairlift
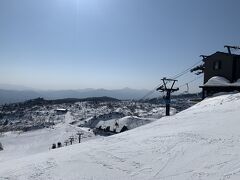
[187, 91]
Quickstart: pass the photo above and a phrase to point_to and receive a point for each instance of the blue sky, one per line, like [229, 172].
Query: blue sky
[75, 44]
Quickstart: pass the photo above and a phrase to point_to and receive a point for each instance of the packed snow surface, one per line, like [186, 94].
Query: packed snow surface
[202, 142]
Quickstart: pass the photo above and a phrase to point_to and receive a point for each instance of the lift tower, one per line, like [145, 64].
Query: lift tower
[168, 88]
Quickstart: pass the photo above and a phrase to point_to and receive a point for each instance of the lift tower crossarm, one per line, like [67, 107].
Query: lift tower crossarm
[168, 91]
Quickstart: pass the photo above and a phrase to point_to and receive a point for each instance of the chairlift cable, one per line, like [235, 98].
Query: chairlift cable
[190, 81]
[173, 77]
[186, 70]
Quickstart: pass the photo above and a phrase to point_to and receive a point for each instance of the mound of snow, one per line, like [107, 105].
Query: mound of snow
[202, 142]
[217, 81]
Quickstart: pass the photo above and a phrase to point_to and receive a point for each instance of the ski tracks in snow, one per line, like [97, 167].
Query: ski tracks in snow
[40, 171]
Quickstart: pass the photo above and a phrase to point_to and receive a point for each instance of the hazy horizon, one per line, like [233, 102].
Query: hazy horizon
[22, 87]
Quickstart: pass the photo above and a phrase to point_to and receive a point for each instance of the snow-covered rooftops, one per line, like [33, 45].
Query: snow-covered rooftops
[61, 109]
[218, 81]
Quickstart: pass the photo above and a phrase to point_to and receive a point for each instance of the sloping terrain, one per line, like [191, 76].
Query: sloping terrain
[19, 144]
[202, 142]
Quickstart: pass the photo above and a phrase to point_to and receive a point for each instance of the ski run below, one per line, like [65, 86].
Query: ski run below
[202, 142]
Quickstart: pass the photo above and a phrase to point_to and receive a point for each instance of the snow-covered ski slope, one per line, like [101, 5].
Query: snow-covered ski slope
[21, 144]
[202, 142]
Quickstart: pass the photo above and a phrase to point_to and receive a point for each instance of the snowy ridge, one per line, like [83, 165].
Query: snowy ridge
[202, 142]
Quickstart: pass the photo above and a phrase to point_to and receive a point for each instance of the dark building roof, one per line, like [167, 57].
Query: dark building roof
[219, 53]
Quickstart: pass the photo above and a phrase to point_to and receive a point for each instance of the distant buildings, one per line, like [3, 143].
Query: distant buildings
[61, 111]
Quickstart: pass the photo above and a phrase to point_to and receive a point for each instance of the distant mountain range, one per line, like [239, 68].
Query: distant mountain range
[8, 95]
